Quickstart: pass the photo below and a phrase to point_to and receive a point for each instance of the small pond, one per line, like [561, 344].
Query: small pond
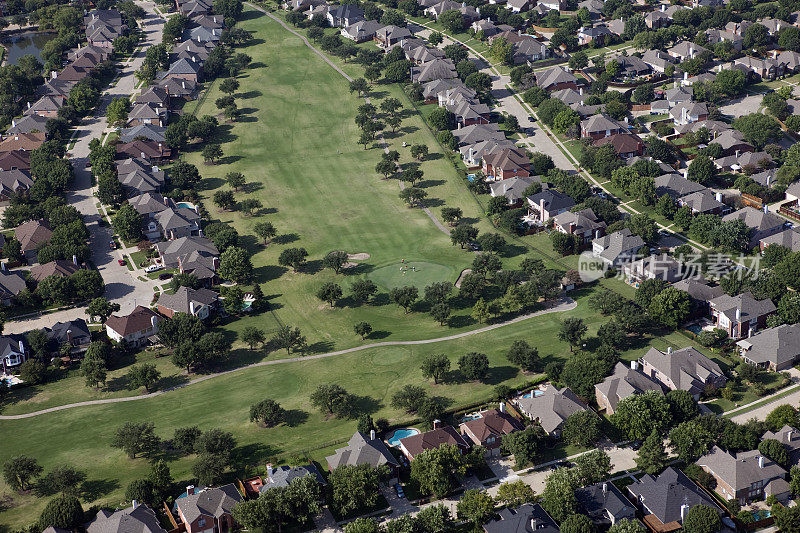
[30, 43]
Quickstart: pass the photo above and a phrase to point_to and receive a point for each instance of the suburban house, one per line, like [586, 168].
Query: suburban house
[703, 202]
[686, 50]
[12, 353]
[362, 31]
[60, 267]
[666, 499]
[11, 284]
[529, 517]
[555, 79]
[653, 266]
[789, 238]
[137, 518]
[742, 315]
[584, 224]
[75, 333]
[676, 186]
[745, 476]
[601, 125]
[625, 381]
[775, 348]
[551, 407]
[191, 255]
[282, 476]
[440, 435]
[389, 36]
[345, 15]
[507, 163]
[208, 509]
[790, 438]
[763, 224]
[625, 145]
[489, 429]
[362, 449]
[605, 504]
[549, 203]
[766, 68]
[617, 248]
[700, 292]
[478, 133]
[513, 189]
[473, 154]
[657, 60]
[135, 328]
[14, 182]
[684, 369]
[196, 302]
[32, 235]
[732, 142]
[688, 112]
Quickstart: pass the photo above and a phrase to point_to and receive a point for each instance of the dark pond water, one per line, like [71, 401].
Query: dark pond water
[25, 44]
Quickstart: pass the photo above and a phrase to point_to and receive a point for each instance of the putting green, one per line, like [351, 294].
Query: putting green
[417, 273]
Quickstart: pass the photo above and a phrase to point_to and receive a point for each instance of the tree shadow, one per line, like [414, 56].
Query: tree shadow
[254, 186]
[424, 184]
[435, 156]
[118, 383]
[365, 405]
[229, 159]
[358, 269]
[286, 238]
[409, 129]
[379, 334]
[433, 202]
[382, 298]
[246, 119]
[513, 250]
[94, 489]
[378, 94]
[319, 347]
[172, 382]
[211, 183]
[269, 272]
[499, 374]
[460, 321]
[250, 94]
[251, 454]
[295, 417]
[313, 266]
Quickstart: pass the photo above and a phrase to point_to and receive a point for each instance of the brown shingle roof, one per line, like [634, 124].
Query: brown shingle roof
[138, 320]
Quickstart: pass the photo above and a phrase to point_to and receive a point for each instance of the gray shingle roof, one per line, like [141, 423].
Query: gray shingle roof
[141, 519]
[741, 470]
[625, 382]
[552, 407]
[687, 368]
[664, 495]
[778, 345]
[528, 518]
[210, 502]
[361, 450]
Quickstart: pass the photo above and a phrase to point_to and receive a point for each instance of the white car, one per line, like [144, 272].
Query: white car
[153, 268]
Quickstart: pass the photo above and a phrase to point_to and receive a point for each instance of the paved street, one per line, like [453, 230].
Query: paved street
[122, 286]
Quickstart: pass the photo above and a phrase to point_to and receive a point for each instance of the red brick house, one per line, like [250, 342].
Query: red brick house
[208, 510]
[489, 429]
[507, 163]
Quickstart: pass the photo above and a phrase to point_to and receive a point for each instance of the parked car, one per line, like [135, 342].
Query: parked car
[474, 246]
[165, 275]
[121, 262]
[153, 268]
[399, 490]
[112, 245]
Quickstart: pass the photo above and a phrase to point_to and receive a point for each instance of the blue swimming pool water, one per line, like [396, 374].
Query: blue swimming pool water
[533, 394]
[761, 514]
[398, 434]
[471, 177]
[187, 205]
[695, 328]
[471, 417]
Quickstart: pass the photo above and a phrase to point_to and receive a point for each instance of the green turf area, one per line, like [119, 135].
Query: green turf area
[417, 273]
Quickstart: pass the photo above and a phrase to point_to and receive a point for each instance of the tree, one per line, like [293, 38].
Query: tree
[644, 226]
[327, 397]
[413, 196]
[433, 470]
[32, 371]
[264, 230]
[514, 493]
[335, 260]
[93, 369]
[385, 167]
[294, 257]
[185, 439]
[775, 450]
[463, 234]
[140, 490]
[363, 329]
[524, 445]
[330, 292]
[480, 311]
[670, 307]
[702, 170]
[440, 312]
[117, 111]
[502, 51]
[758, 129]
[362, 525]
[212, 152]
[783, 415]
[267, 412]
[289, 339]
[128, 223]
[572, 331]
[523, 355]
[63, 512]
[701, 518]
[479, 82]
[224, 200]
[452, 21]
[364, 289]
[360, 86]
[474, 366]
[651, 457]
[451, 215]
[626, 525]
[638, 415]
[558, 497]
[20, 470]
[419, 152]
[252, 336]
[136, 438]
[236, 180]
[788, 520]
[681, 405]
[235, 265]
[436, 367]
[161, 478]
[475, 506]
[581, 428]
[209, 468]
[690, 440]
[229, 85]
[404, 296]
[354, 487]
[409, 398]
[576, 523]
[144, 375]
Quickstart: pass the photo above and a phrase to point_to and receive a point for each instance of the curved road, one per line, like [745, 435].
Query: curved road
[564, 304]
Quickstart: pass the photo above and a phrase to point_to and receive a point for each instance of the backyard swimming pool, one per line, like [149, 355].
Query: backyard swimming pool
[533, 394]
[186, 205]
[394, 439]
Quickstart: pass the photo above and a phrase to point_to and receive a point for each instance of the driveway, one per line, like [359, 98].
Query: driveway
[742, 106]
[122, 286]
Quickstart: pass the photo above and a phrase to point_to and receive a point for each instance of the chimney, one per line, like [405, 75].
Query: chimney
[134, 504]
[738, 314]
[142, 154]
[633, 365]
[669, 350]
[269, 473]
[502, 407]
[718, 196]
[761, 461]
[605, 488]
[789, 435]
[686, 173]
[534, 524]
[436, 423]
[29, 105]
[371, 434]
[691, 51]
[684, 510]
[685, 76]
[69, 335]
[153, 321]
[183, 84]
[769, 178]
[13, 123]
[21, 347]
[191, 308]
[190, 490]
[74, 260]
[580, 91]
[737, 154]
[774, 54]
